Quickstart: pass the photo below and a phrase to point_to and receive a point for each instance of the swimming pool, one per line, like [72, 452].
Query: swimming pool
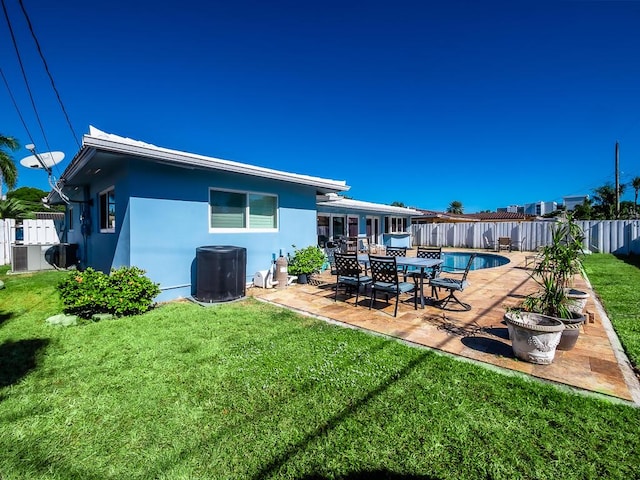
[459, 260]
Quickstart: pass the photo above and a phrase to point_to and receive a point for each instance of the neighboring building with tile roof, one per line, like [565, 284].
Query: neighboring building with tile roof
[431, 216]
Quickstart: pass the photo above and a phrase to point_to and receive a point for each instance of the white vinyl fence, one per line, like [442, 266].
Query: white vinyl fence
[31, 232]
[601, 236]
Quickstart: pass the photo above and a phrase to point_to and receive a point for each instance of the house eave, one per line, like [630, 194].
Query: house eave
[209, 163]
[97, 141]
[334, 201]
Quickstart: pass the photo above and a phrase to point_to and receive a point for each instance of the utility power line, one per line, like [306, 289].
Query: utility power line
[24, 73]
[46, 67]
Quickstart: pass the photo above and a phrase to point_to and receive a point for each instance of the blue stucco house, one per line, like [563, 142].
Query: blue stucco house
[130, 203]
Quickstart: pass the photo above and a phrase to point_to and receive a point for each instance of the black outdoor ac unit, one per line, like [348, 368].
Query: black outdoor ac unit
[63, 255]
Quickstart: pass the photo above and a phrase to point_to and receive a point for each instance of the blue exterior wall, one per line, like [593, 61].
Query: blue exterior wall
[162, 216]
[101, 251]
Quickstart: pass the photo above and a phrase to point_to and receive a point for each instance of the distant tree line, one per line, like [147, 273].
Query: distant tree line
[602, 206]
[24, 202]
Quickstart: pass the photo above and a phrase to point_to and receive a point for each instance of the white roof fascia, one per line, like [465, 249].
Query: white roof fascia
[77, 163]
[368, 206]
[127, 146]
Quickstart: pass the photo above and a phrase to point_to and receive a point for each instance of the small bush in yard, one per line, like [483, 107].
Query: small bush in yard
[126, 291]
[84, 293]
[130, 291]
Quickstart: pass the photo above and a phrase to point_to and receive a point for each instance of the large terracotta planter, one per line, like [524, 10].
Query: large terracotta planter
[578, 299]
[571, 331]
[534, 337]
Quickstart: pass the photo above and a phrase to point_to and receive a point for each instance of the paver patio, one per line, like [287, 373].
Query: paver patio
[597, 362]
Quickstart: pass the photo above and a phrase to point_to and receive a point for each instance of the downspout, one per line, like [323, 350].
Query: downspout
[85, 226]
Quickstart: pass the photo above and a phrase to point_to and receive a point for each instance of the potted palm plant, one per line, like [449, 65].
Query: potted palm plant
[306, 261]
[558, 263]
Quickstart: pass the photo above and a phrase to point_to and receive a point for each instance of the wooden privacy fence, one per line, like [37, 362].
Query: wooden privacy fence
[31, 232]
[601, 236]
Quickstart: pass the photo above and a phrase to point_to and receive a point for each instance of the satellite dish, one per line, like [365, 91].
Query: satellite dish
[48, 159]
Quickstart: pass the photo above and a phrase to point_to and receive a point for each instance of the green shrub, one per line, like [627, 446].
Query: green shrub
[84, 293]
[126, 291]
[306, 260]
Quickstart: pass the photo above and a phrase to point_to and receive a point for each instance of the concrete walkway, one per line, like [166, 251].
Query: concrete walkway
[596, 364]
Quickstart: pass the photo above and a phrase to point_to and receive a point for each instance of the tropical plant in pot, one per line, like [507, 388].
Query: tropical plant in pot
[559, 262]
[306, 261]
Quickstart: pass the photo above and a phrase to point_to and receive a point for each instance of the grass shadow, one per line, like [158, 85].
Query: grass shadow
[4, 316]
[18, 358]
[329, 424]
[374, 475]
[631, 259]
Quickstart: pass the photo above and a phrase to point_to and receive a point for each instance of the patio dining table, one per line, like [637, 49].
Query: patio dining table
[421, 263]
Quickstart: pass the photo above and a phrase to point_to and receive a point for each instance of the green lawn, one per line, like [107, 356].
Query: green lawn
[617, 282]
[250, 391]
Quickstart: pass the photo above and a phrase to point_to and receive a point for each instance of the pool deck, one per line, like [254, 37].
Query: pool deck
[597, 364]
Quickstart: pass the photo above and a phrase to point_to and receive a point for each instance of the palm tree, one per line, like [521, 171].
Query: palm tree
[455, 207]
[12, 208]
[605, 197]
[8, 170]
[635, 184]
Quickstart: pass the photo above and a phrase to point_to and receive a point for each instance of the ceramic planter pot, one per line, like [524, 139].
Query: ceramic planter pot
[571, 330]
[534, 337]
[578, 299]
[303, 278]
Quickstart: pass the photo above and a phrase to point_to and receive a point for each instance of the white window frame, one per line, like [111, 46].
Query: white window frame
[106, 192]
[248, 228]
[398, 221]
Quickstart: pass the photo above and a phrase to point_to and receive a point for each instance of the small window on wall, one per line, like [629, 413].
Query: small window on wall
[263, 211]
[108, 211]
[233, 211]
[70, 218]
[395, 225]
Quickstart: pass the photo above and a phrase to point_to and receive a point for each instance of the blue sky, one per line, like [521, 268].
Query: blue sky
[487, 103]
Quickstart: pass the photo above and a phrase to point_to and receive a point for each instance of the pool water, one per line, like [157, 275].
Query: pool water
[459, 260]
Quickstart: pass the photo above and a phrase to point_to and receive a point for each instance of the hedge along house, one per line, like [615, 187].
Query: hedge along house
[381, 224]
[135, 204]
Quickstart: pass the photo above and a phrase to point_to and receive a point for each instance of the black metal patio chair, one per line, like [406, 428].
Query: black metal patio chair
[426, 252]
[349, 274]
[452, 285]
[398, 252]
[384, 272]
